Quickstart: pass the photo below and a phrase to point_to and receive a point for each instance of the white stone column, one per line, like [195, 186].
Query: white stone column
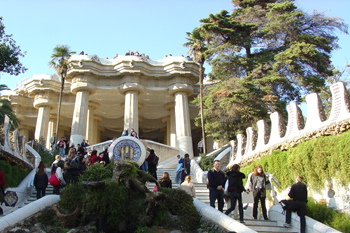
[24, 131]
[172, 126]
[131, 112]
[52, 129]
[167, 131]
[42, 122]
[183, 124]
[79, 119]
[91, 123]
[96, 133]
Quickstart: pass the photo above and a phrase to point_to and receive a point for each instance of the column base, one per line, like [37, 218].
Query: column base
[184, 143]
[76, 139]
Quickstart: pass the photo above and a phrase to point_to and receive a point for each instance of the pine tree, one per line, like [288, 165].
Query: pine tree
[265, 54]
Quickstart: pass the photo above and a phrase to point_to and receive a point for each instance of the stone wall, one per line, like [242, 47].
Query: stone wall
[279, 135]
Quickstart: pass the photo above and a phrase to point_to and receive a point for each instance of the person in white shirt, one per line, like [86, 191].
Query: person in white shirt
[188, 187]
[59, 175]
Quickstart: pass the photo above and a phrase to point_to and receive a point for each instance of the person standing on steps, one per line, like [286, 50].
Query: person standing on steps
[53, 141]
[41, 181]
[298, 192]
[257, 184]
[216, 179]
[186, 168]
[62, 145]
[235, 189]
[179, 168]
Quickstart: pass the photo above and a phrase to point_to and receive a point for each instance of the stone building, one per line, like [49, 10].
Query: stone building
[102, 97]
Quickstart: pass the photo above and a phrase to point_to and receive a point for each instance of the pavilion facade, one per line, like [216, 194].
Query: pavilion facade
[102, 97]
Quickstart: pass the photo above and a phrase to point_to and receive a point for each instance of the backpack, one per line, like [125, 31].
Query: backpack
[155, 160]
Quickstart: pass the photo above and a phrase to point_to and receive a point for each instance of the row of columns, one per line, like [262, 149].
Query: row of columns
[85, 124]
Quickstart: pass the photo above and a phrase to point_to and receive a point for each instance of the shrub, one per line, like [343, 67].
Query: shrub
[13, 174]
[46, 157]
[181, 204]
[328, 216]
[207, 162]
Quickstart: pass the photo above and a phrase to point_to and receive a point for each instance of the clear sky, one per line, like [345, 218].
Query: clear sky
[107, 27]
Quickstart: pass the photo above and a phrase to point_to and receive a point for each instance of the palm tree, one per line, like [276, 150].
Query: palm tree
[59, 61]
[6, 109]
[197, 47]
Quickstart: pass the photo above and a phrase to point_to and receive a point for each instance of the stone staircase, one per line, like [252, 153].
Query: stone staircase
[202, 193]
[32, 196]
[266, 226]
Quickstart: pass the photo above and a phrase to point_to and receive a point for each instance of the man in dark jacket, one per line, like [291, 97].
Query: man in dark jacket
[72, 174]
[2, 190]
[235, 188]
[298, 192]
[216, 179]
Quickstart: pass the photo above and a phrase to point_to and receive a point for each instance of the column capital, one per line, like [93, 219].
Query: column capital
[169, 106]
[180, 87]
[131, 87]
[165, 119]
[94, 105]
[82, 83]
[44, 99]
[98, 118]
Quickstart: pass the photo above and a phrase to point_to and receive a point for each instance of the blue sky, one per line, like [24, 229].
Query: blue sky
[107, 27]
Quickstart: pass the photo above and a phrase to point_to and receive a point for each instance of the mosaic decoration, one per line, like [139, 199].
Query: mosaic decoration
[11, 198]
[127, 150]
[95, 58]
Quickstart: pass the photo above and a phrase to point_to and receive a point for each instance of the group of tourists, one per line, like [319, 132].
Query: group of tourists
[257, 183]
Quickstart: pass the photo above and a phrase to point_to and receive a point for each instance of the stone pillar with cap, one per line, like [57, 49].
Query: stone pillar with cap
[131, 105]
[82, 88]
[43, 103]
[172, 127]
[91, 122]
[182, 117]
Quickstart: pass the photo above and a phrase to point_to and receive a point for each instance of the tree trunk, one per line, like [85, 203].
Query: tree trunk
[201, 74]
[59, 106]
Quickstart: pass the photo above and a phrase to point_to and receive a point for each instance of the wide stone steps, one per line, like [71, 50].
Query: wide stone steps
[265, 226]
[32, 197]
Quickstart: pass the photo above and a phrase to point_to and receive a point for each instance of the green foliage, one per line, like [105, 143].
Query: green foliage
[10, 53]
[72, 197]
[111, 202]
[317, 160]
[98, 172]
[46, 157]
[13, 174]
[207, 162]
[181, 204]
[263, 55]
[6, 109]
[321, 213]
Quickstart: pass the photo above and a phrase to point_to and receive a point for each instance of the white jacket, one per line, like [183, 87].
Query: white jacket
[59, 176]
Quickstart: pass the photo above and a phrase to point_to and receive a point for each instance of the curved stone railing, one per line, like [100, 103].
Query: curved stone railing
[211, 215]
[28, 211]
[262, 143]
[275, 214]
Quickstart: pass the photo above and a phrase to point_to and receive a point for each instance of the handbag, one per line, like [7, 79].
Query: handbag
[155, 189]
[54, 180]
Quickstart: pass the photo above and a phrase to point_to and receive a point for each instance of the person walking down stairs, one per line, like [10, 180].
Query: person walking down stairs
[235, 189]
[41, 181]
[2, 191]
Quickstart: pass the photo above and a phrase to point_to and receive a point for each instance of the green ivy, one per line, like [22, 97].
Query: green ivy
[318, 160]
[13, 174]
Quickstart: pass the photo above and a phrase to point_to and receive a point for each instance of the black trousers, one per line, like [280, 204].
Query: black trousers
[40, 193]
[234, 197]
[259, 194]
[300, 207]
[216, 194]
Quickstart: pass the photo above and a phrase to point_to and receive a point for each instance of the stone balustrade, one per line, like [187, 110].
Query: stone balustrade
[250, 147]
